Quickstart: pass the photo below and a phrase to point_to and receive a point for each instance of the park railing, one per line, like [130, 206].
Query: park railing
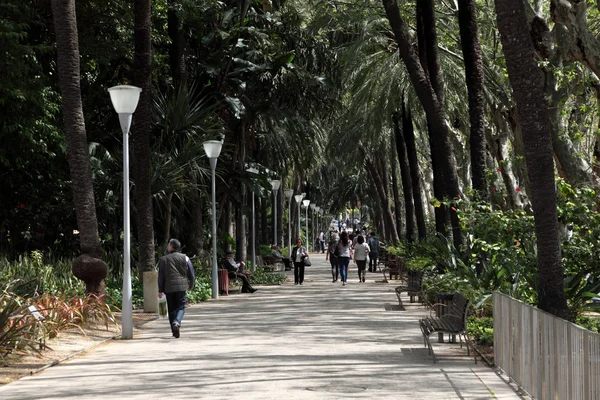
[548, 357]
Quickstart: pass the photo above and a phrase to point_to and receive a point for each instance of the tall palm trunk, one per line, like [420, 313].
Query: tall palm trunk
[240, 232]
[177, 46]
[388, 220]
[431, 102]
[167, 222]
[264, 224]
[469, 37]
[88, 266]
[406, 178]
[396, 189]
[413, 162]
[197, 220]
[527, 83]
[141, 134]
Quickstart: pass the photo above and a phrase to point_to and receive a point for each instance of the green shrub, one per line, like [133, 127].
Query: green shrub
[591, 323]
[202, 290]
[261, 277]
[481, 330]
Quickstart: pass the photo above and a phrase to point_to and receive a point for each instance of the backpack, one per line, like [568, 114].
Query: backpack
[336, 250]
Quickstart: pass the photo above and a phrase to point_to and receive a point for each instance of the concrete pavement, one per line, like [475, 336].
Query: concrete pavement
[315, 341]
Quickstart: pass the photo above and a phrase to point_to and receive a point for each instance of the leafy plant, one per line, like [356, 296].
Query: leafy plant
[481, 330]
[261, 277]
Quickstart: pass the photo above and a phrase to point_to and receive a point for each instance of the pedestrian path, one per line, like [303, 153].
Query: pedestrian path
[315, 341]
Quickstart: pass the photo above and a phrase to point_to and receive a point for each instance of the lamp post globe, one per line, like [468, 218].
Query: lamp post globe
[213, 149]
[125, 99]
[298, 199]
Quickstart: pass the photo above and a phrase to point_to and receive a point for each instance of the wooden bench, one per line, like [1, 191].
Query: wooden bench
[453, 321]
[393, 267]
[413, 287]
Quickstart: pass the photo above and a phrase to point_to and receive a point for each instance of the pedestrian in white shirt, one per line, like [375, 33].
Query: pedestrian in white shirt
[361, 249]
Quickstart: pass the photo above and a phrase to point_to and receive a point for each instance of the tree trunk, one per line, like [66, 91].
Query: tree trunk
[280, 208]
[528, 88]
[385, 207]
[596, 171]
[88, 266]
[177, 46]
[431, 101]
[167, 221]
[406, 178]
[141, 134]
[413, 162]
[228, 224]
[264, 231]
[396, 189]
[378, 219]
[241, 238]
[469, 36]
[197, 213]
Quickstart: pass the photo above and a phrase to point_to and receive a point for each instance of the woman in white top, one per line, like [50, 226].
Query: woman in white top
[345, 250]
[299, 253]
[361, 249]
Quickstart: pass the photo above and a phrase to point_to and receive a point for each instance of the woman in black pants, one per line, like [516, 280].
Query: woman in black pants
[333, 259]
[299, 253]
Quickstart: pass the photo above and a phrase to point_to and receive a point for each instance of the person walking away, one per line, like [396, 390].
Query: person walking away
[175, 276]
[345, 250]
[299, 253]
[360, 257]
[322, 241]
[237, 271]
[374, 250]
[333, 257]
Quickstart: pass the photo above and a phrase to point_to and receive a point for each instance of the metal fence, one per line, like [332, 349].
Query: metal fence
[547, 356]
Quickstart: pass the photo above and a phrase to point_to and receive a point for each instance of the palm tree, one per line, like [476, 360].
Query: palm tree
[88, 266]
[469, 35]
[141, 133]
[528, 87]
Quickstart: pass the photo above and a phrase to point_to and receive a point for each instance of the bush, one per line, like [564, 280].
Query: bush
[481, 330]
[202, 290]
[591, 323]
[261, 277]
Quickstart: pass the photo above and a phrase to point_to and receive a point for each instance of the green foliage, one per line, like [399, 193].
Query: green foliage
[481, 330]
[264, 250]
[588, 322]
[202, 290]
[261, 277]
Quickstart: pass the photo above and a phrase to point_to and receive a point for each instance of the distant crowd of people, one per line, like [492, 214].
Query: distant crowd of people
[350, 247]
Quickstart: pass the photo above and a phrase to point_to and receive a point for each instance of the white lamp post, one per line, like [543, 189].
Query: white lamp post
[298, 199]
[317, 209]
[275, 186]
[125, 99]
[288, 195]
[306, 204]
[313, 207]
[253, 171]
[213, 149]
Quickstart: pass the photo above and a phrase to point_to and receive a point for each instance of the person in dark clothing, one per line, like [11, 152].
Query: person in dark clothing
[237, 271]
[299, 253]
[175, 276]
[374, 250]
[333, 259]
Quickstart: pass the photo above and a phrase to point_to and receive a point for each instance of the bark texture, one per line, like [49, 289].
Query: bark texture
[141, 134]
[406, 178]
[413, 162]
[388, 220]
[177, 46]
[88, 266]
[471, 49]
[527, 82]
[434, 108]
[396, 189]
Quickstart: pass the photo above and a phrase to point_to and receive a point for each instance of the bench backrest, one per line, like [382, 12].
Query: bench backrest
[415, 280]
[459, 307]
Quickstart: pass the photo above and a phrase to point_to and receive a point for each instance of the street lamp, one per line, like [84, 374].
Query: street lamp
[253, 171]
[298, 199]
[213, 149]
[313, 207]
[275, 186]
[306, 203]
[317, 209]
[125, 99]
[288, 195]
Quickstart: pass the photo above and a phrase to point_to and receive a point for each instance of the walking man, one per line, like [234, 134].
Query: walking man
[175, 276]
[322, 241]
[374, 250]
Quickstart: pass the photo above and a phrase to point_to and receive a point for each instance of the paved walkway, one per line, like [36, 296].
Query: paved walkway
[315, 341]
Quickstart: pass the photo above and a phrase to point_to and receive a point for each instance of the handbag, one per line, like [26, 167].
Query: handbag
[306, 262]
[162, 306]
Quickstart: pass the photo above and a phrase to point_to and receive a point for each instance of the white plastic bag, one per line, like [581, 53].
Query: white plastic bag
[162, 306]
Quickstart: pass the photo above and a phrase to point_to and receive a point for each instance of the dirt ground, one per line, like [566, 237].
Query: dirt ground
[66, 344]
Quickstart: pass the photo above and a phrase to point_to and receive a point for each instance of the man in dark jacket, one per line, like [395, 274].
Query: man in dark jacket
[374, 251]
[236, 271]
[175, 276]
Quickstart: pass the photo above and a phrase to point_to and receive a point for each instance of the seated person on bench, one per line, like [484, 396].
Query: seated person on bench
[236, 270]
